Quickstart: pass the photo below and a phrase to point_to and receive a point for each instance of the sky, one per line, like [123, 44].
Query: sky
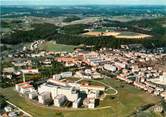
[83, 2]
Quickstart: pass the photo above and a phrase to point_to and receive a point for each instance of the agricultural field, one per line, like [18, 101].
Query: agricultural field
[53, 46]
[123, 104]
[130, 18]
[125, 35]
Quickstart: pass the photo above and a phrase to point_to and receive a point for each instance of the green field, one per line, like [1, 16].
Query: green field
[125, 33]
[123, 104]
[52, 46]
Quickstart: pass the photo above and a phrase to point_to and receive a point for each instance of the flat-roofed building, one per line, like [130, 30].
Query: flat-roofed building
[57, 82]
[30, 71]
[24, 87]
[66, 74]
[69, 92]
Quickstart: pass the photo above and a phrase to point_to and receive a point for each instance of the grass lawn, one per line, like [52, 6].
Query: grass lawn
[52, 46]
[71, 79]
[149, 114]
[128, 100]
[110, 91]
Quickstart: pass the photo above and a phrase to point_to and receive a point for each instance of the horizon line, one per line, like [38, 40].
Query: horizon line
[82, 4]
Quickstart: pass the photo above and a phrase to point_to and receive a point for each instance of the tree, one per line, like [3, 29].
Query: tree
[163, 104]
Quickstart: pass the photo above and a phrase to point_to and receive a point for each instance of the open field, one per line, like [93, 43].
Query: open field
[91, 83]
[126, 35]
[96, 33]
[52, 46]
[128, 100]
[130, 18]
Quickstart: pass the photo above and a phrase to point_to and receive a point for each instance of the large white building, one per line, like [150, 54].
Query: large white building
[69, 92]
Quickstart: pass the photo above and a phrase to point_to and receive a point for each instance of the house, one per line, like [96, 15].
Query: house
[163, 94]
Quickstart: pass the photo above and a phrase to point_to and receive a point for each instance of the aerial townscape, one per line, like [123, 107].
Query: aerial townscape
[83, 60]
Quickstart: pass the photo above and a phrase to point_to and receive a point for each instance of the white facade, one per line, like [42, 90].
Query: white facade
[44, 98]
[30, 71]
[57, 76]
[76, 103]
[91, 105]
[24, 87]
[69, 92]
[66, 74]
[32, 95]
[59, 100]
[93, 94]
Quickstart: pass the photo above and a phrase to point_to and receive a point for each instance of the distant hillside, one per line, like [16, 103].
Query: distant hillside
[93, 10]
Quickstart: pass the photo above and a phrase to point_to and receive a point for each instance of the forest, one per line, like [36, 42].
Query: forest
[70, 34]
